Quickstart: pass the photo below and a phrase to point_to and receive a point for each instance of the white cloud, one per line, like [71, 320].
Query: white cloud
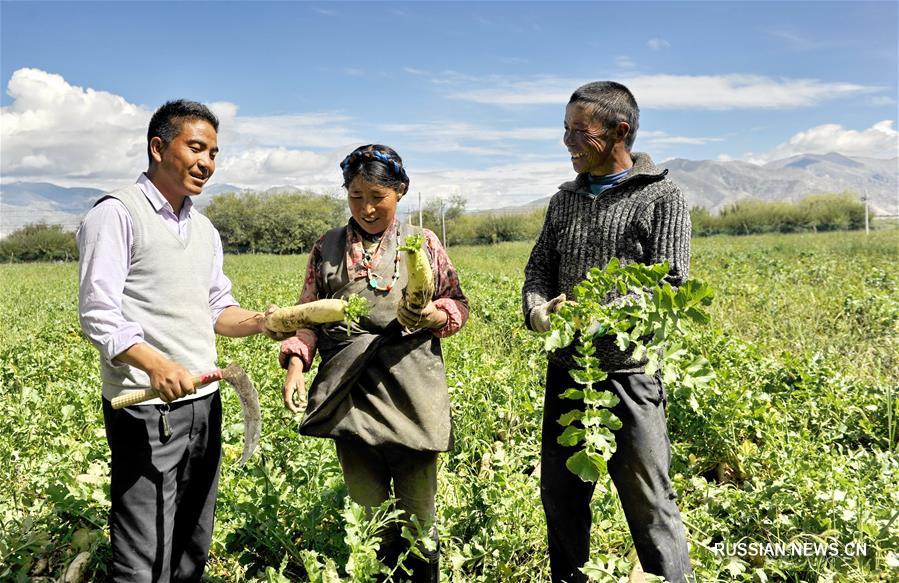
[512, 60]
[467, 138]
[531, 91]
[494, 187]
[718, 92]
[72, 136]
[261, 168]
[475, 132]
[624, 62]
[881, 140]
[314, 130]
[658, 138]
[735, 91]
[797, 41]
[658, 44]
[54, 130]
[881, 101]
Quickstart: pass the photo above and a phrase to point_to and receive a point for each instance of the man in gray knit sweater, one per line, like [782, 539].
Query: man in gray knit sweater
[620, 205]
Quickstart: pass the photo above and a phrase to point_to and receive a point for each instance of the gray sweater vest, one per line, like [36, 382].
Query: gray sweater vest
[167, 294]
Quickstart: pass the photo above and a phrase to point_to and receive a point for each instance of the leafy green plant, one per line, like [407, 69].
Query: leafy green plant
[39, 242]
[647, 317]
[794, 439]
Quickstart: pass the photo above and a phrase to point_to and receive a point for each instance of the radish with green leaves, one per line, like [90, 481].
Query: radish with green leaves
[348, 310]
[420, 287]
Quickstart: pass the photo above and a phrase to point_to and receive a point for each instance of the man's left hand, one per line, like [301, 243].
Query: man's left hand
[263, 329]
[430, 317]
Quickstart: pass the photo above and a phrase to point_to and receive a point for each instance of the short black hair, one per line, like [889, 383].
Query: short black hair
[166, 122]
[610, 103]
[377, 164]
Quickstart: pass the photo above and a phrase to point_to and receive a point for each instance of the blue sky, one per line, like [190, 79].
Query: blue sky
[470, 93]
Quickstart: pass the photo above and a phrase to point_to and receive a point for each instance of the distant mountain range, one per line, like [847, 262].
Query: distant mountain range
[711, 184]
[715, 185]
[23, 203]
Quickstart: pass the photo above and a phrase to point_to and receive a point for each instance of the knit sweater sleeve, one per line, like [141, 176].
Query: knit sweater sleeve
[541, 275]
[667, 219]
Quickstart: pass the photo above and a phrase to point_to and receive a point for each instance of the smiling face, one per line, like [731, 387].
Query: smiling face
[588, 141]
[372, 205]
[182, 167]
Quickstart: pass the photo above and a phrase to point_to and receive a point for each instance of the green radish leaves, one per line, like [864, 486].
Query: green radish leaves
[647, 317]
[355, 308]
[413, 243]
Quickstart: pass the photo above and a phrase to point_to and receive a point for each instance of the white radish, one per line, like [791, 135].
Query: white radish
[311, 314]
[420, 288]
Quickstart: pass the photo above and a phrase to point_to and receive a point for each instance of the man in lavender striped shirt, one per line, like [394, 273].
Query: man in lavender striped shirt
[152, 296]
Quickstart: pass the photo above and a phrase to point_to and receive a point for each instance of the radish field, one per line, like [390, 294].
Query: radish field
[787, 465]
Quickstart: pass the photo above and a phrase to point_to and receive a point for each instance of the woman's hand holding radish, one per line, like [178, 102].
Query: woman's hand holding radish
[430, 317]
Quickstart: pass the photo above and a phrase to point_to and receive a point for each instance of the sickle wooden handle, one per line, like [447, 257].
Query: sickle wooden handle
[135, 397]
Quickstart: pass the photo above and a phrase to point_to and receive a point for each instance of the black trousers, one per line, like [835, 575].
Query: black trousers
[639, 470]
[369, 471]
[163, 489]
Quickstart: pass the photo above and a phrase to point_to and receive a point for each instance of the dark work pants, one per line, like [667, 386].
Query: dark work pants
[369, 470]
[638, 468]
[163, 489]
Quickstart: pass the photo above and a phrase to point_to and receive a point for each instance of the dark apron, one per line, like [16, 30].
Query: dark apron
[380, 385]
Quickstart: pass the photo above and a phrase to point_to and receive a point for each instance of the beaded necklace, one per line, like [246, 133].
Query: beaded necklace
[374, 278]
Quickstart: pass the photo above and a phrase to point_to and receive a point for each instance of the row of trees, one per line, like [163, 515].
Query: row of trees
[39, 242]
[291, 223]
[274, 223]
[818, 212]
[478, 228]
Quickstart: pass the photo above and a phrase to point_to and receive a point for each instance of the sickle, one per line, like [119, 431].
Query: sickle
[235, 376]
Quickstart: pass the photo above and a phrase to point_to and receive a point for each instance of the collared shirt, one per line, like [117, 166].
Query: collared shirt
[105, 239]
[600, 184]
[448, 296]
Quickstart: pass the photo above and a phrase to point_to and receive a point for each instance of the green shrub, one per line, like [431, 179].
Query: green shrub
[489, 228]
[39, 242]
[816, 212]
[273, 223]
[832, 212]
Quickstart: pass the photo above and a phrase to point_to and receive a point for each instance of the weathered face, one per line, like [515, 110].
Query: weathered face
[587, 141]
[185, 165]
[372, 205]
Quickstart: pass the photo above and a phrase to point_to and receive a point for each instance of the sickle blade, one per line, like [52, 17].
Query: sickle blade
[249, 403]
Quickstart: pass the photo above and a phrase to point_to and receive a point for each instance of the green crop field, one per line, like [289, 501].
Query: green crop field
[791, 452]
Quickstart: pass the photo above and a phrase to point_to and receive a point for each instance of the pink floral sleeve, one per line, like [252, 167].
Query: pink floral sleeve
[448, 296]
[303, 343]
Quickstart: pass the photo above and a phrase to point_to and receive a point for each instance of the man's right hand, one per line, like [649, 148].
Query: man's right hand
[539, 318]
[169, 379]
